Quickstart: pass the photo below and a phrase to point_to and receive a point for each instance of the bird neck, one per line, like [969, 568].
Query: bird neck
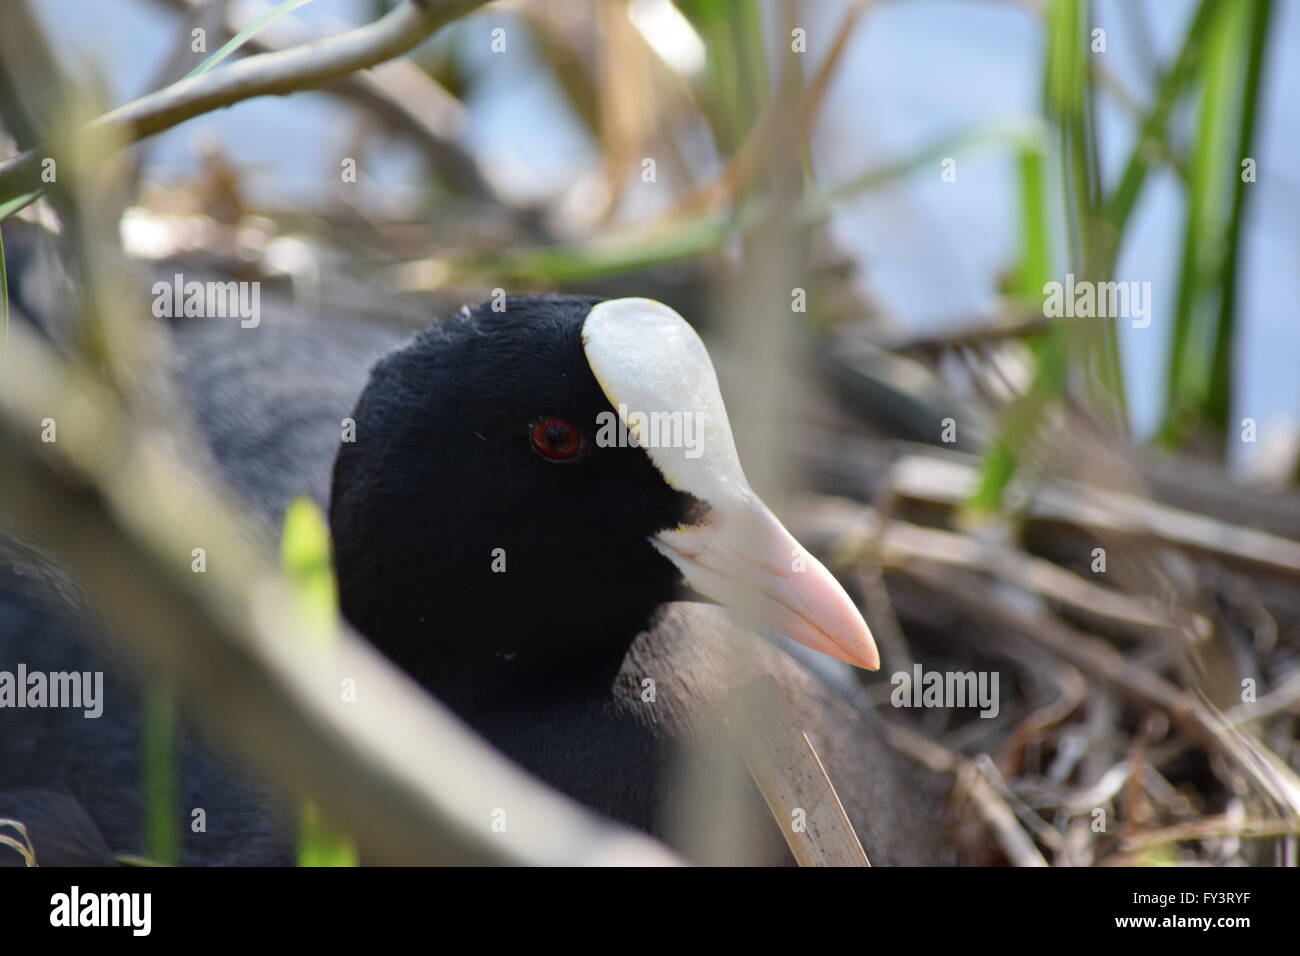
[464, 658]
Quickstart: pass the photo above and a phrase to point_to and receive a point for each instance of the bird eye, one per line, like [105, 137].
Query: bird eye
[556, 440]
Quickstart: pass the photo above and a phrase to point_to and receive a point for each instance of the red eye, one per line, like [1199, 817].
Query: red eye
[556, 439]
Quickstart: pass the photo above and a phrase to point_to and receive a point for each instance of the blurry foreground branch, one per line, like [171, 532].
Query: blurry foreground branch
[399, 92]
[280, 73]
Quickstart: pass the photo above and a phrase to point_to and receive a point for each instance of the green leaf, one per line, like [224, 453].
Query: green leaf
[161, 843]
[1218, 396]
[1197, 381]
[19, 203]
[305, 557]
[1035, 239]
[736, 83]
[319, 844]
[246, 34]
[1068, 105]
[1153, 129]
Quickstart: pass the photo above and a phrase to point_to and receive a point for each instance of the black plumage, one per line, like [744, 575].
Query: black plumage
[76, 782]
[547, 658]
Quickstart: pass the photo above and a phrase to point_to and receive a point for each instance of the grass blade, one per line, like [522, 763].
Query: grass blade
[1173, 84]
[4, 301]
[1218, 396]
[19, 203]
[246, 34]
[21, 843]
[1067, 104]
[305, 556]
[1202, 330]
[161, 844]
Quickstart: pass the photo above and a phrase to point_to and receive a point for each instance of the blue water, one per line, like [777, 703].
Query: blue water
[915, 71]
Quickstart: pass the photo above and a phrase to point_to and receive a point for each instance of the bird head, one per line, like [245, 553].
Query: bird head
[544, 475]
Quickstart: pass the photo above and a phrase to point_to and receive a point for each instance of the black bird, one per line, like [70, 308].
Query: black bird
[523, 497]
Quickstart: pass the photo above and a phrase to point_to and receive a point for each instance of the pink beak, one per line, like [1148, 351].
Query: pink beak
[746, 560]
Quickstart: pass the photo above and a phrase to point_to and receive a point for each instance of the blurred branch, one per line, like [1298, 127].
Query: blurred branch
[775, 130]
[898, 544]
[22, 843]
[1000, 818]
[1106, 510]
[1130, 679]
[398, 770]
[1016, 134]
[1011, 322]
[279, 73]
[399, 92]
[1211, 828]
[790, 776]
[676, 237]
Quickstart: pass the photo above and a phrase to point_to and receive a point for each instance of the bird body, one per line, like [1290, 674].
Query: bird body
[652, 761]
[526, 576]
